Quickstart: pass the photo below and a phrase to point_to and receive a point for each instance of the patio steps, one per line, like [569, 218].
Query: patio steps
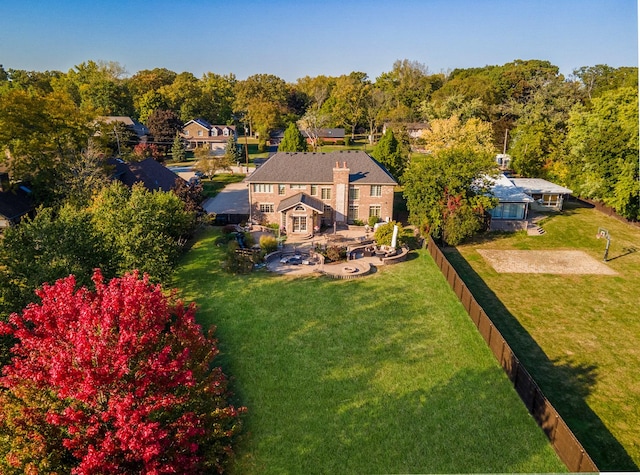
[535, 231]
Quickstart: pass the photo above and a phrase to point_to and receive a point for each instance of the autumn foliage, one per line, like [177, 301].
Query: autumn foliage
[116, 380]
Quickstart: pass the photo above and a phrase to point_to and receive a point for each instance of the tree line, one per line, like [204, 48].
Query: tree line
[580, 131]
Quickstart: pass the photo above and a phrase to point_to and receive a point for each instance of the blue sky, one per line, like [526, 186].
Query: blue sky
[296, 38]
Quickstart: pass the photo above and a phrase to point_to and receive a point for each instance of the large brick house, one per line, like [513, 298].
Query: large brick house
[303, 190]
[200, 133]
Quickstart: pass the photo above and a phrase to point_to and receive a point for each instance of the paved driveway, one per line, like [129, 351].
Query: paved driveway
[233, 199]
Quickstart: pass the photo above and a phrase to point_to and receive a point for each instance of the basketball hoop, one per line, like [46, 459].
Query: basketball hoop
[604, 233]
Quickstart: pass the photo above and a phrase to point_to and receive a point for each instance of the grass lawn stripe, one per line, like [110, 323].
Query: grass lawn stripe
[384, 374]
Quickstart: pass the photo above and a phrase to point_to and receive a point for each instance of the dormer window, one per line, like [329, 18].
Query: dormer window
[225, 132]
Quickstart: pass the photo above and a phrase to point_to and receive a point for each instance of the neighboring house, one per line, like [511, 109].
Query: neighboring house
[414, 129]
[303, 190]
[547, 195]
[14, 204]
[324, 135]
[513, 206]
[200, 133]
[153, 175]
[133, 125]
[518, 195]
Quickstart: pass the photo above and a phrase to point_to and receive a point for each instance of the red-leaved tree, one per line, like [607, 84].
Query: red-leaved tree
[116, 380]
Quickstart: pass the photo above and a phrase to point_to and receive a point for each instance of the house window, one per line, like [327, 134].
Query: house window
[314, 190]
[262, 188]
[281, 189]
[266, 207]
[354, 193]
[353, 213]
[199, 133]
[550, 200]
[508, 211]
[325, 193]
[376, 190]
[186, 132]
[299, 224]
[298, 187]
[375, 210]
[225, 132]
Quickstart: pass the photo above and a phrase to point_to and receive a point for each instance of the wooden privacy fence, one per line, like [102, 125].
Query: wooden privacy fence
[562, 439]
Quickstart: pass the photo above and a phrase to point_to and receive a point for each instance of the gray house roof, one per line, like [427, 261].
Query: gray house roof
[317, 168]
[301, 198]
[153, 175]
[507, 192]
[540, 186]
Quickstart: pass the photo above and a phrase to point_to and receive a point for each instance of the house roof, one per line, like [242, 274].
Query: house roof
[539, 186]
[507, 192]
[200, 122]
[139, 129]
[317, 168]
[303, 199]
[14, 204]
[153, 175]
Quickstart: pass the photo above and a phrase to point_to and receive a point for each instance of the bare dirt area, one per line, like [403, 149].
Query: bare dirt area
[544, 262]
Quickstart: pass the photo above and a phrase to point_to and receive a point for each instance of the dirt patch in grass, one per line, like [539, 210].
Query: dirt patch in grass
[544, 262]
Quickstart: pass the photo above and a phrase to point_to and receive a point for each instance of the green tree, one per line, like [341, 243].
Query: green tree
[389, 152]
[99, 88]
[218, 97]
[407, 86]
[178, 153]
[38, 135]
[603, 151]
[263, 99]
[538, 140]
[448, 182]
[143, 230]
[46, 248]
[293, 141]
[232, 153]
[209, 163]
[184, 96]
[350, 100]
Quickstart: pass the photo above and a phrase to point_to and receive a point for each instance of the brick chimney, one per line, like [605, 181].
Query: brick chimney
[341, 187]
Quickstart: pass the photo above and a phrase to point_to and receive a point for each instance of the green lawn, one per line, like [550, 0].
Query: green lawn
[579, 335]
[384, 374]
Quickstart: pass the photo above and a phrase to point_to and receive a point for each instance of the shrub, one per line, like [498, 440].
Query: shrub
[373, 220]
[358, 222]
[347, 141]
[268, 244]
[336, 253]
[339, 142]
